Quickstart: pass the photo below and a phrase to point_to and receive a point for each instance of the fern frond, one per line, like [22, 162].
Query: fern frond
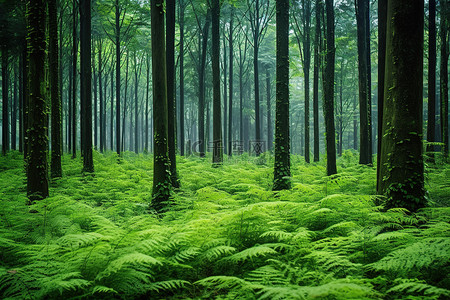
[168, 285]
[127, 260]
[103, 290]
[414, 288]
[429, 253]
[74, 241]
[277, 235]
[251, 253]
[224, 282]
[217, 252]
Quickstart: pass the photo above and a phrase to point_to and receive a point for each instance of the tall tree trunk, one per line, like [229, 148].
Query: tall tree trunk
[102, 106]
[118, 148]
[217, 109]
[230, 105]
[282, 168]
[444, 75]
[182, 112]
[382, 24]
[37, 167]
[225, 94]
[5, 108]
[112, 111]
[201, 98]
[170, 62]
[125, 102]
[328, 91]
[306, 67]
[14, 110]
[56, 138]
[402, 178]
[136, 115]
[256, 74]
[316, 83]
[146, 148]
[69, 113]
[431, 125]
[161, 162]
[269, 110]
[95, 73]
[74, 77]
[21, 96]
[365, 157]
[86, 84]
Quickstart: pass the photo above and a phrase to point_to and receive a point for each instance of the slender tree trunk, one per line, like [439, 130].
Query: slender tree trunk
[170, 61]
[136, 114]
[161, 162]
[269, 110]
[21, 90]
[69, 113]
[14, 111]
[5, 108]
[74, 78]
[230, 105]
[365, 156]
[225, 95]
[118, 148]
[102, 108]
[306, 68]
[112, 111]
[146, 105]
[329, 91]
[182, 112]
[316, 83]
[37, 168]
[444, 75]
[431, 125]
[256, 74]
[56, 138]
[95, 73]
[217, 109]
[85, 84]
[125, 101]
[282, 168]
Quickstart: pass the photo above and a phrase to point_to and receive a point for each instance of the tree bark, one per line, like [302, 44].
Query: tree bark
[282, 168]
[444, 75]
[74, 77]
[402, 178]
[161, 162]
[5, 108]
[182, 112]
[37, 167]
[328, 90]
[217, 157]
[316, 82]
[85, 83]
[431, 124]
[56, 138]
[118, 147]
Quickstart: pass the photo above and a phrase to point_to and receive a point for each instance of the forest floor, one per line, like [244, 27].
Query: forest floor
[226, 235]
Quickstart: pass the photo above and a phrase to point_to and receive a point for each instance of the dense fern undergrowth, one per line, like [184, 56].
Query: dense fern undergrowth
[226, 235]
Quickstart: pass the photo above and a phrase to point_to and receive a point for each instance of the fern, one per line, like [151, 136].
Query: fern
[251, 253]
[419, 288]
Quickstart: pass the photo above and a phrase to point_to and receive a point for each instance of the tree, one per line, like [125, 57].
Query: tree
[362, 12]
[37, 167]
[401, 174]
[317, 62]
[328, 90]
[182, 142]
[74, 77]
[444, 75]
[5, 109]
[170, 61]
[282, 168]
[55, 167]
[85, 83]
[431, 125]
[161, 162]
[230, 104]
[217, 123]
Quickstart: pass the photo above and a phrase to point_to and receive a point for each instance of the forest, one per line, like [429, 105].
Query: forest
[224, 149]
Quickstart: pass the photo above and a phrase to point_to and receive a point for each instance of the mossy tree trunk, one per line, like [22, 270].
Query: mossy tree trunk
[401, 174]
[170, 56]
[282, 168]
[217, 157]
[161, 162]
[328, 90]
[85, 83]
[55, 97]
[37, 166]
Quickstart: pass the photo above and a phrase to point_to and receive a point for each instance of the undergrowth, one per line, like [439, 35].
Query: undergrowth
[226, 235]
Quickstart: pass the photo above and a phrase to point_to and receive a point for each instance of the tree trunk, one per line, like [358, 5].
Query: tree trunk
[269, 110]
[225, 95]
[306, 68]
[101, 98]
[431, 125]
[170, 62]
[282, 168]
[56, 138]
[14, 111]
[5, 109]
[161, 162]
[217, 109]
[95, 73]
[365, 157]
[136, 114]
[256, 74]
[86, 84]
[182, 112]
[146, 148]
[118, 148]
[21, 96]
[444, 76]
[37, 168]
[74, 78]
[316, 82]
[402, 178]
[328, 91]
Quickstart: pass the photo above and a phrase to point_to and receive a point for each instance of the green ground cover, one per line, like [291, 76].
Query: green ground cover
[226, 235]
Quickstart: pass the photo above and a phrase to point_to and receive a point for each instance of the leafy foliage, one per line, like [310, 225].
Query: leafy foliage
[226, 235]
